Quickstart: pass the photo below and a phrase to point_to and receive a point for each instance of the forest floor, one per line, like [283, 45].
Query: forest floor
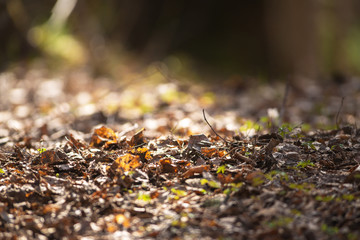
[98, 159]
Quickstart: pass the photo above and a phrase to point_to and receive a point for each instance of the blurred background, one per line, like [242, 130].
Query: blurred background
[268, 39]
[86, 62]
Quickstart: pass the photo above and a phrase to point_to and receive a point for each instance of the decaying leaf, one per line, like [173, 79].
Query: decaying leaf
[127, 162]
[144, 153]
[167, 166]
[75, 143]
[49, 156]
[197, 142]
[209, 152]
[103, 136]
[137, 139]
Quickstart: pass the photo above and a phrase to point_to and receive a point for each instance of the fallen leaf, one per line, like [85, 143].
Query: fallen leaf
[128, 161]
[167, 166]
[122, 220]
[137, 139]
[101, 136]
[193, 170]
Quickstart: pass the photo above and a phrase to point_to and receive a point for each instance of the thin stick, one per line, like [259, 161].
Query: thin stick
[213, 128]
[338, 113]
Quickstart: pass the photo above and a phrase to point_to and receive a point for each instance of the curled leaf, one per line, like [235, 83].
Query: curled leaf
[101, 136]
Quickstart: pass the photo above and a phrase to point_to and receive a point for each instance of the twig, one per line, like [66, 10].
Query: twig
[283, 104]
[213, 128]
[338, 113]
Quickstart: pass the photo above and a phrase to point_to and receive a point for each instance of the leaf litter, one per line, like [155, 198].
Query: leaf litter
[66, 173]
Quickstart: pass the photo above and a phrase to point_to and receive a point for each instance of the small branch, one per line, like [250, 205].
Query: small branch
[213, 128]
[338, 113]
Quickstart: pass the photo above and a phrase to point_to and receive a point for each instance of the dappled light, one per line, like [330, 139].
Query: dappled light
[181, 120]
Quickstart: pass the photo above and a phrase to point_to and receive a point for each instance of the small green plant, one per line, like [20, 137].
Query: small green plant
[204, 181]
[203, 191]
[334, 147]
[280, 222]
[304, 164]
[265, 120]
[273, 174]
[348, 197]
[285, 130]
[57, 175]
[329, 229]
[2, 171]
[309, 144]
[178, 223]
[352, 236]
[178, 193]
[144, 197]
[257, 181]
[41, 150]
[296, 212]
[232, 187]
[221, 169]
[250, 125]
[325, 198]
[211, 183]
[129, 173]
[306, 187]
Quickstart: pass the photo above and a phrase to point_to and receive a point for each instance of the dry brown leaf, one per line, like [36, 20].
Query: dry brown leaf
[137, 139]
[193, 170]
[101, 136]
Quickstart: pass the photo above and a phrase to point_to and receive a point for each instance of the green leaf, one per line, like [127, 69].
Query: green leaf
[179, 193]
[214, 184]
[41, 150]
[304, 164]
[144, 197]
[221, 169]
[204, 181]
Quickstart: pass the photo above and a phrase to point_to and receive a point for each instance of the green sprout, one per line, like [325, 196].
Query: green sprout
[285, 129]
[178, 193]
[303, 186]
[329, 229]
[204, 181]
[304, 164]
[203, 191]
[282, 175]
[221, 169]
[348, 197]
[211, 183]
[280, 222]
[309, 145]
[41, 150]
[2, 171]
[144, 197]
[250, 125]
[233, 187]
[325, 198]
